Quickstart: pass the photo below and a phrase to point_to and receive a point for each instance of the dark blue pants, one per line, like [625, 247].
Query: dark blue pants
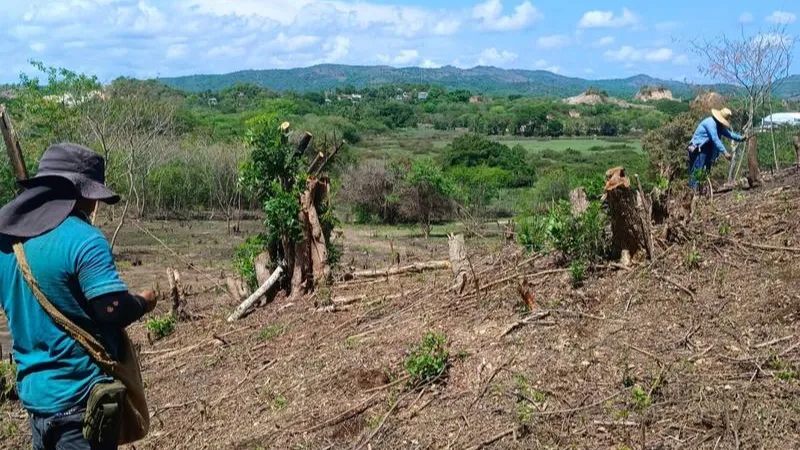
[702, 159]
[62, 431]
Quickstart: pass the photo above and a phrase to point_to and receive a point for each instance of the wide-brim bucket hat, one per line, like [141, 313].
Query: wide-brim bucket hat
[67, 172]
[723, 116]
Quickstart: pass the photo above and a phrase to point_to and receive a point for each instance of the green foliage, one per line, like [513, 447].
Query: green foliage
[666, 147]
[577, 238]
[725, 228]
[641, 399]
[472, 150]
[244, 258]
[428, 361]
[693, 259]
[160, 327]
[270, 332]
[8, 378]
[577, 272]
[429, 190]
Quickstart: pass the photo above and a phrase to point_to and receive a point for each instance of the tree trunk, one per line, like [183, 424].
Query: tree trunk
[630, 225]
[317, 246]
[754, 177]
[458, 261]
[578, 200]
[177, 295]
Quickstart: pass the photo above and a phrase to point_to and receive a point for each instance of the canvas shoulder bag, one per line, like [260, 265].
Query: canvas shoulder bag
[135, 417]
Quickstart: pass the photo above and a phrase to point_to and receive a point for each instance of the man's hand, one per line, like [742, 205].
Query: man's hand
[728, 156]
[150, 297]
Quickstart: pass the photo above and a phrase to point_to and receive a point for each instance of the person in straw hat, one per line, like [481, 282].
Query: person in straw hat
[73, 267]
[707, 145]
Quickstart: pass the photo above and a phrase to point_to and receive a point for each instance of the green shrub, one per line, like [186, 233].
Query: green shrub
[8, 377]
[577, 238]
[160, 327]
[428, 361]
[577, 271]
[245, 256]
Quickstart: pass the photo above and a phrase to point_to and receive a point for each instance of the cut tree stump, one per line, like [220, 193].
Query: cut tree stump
[458, 261]
[242, 309]
[630, 223]
[390, 271]
[797, 149]
[237, 288]
[177, 295]
[578, 201]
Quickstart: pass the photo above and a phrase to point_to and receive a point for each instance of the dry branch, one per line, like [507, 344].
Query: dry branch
[390, 271]
[247, 304]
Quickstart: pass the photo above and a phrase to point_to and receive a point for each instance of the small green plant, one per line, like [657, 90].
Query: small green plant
[428, 361]
[528, 400]
[725, 228]
[787, 375]
[245, 256]
[641, 399]
[738, 196]
[160, 327]
[693, 259]
[8, 377]
[278, 402]
[577, 271]
[271, 332]
[662, 183]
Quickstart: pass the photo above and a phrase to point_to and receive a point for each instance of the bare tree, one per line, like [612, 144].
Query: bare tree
[755, 62]
[221, 171]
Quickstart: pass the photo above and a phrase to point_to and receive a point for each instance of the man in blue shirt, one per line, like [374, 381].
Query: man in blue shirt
[72, 263]
[707, 145]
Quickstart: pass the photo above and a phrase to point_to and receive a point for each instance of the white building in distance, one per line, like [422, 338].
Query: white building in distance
[781, 119]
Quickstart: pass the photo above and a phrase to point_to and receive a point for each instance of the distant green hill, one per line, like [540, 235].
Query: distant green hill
[481, 79]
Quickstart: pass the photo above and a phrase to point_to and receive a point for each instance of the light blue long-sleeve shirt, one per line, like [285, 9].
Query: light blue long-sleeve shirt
[709, 132]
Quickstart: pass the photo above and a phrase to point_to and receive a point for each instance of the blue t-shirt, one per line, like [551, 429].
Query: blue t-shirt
[71, 263]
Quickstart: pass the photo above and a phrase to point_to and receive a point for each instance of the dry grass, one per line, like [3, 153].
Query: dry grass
[669, 355]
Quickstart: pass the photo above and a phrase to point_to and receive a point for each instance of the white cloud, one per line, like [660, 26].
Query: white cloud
[554, 41]
[336, 48]
[544, 65]
[588, 71]
[630, 54]
[680, 60]
[38, 47]
[746, 17]
[291, 43]
[405, 57]
[225, 51]
[176, 51]
[607, 19]
[491, 57]
[428, 64]
[447, 27]
[781, 17]
[667, 26]
[490, 15]
[604, 41]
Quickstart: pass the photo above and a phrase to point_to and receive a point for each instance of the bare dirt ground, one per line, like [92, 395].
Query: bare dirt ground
[698, 349]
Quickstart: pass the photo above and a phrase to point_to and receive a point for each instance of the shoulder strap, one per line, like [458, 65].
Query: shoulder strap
[85, 339]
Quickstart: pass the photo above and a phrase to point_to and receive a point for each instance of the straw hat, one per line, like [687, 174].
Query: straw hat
[723, 116]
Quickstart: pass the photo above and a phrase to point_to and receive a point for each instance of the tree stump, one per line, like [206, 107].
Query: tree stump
[458, 261]
[797, 149]
[578, 201]
[177, 295]
[630, 223]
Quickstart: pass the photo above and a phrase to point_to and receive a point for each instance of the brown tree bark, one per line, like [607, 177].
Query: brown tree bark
[458, 261]
[797, 149]
[630, 223]
[317, 245]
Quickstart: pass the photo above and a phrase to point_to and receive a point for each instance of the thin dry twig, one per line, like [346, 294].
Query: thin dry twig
[493, 439]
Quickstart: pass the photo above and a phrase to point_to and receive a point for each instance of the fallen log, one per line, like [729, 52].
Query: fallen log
[390, 271]
[247, 304]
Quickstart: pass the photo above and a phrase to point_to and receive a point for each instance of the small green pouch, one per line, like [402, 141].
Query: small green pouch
[103, 418]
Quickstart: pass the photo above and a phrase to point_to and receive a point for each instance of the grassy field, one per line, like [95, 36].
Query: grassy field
[429, 142]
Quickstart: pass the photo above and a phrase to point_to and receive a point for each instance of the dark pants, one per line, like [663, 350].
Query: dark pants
[62, 431]
[701, 159]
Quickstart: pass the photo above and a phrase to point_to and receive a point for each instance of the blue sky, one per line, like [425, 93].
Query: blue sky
[589, 39]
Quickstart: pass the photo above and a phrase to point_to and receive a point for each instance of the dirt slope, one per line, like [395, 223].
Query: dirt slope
[695, 350]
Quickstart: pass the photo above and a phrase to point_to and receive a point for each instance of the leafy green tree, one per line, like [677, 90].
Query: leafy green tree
[397, 115]
[428, 193]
